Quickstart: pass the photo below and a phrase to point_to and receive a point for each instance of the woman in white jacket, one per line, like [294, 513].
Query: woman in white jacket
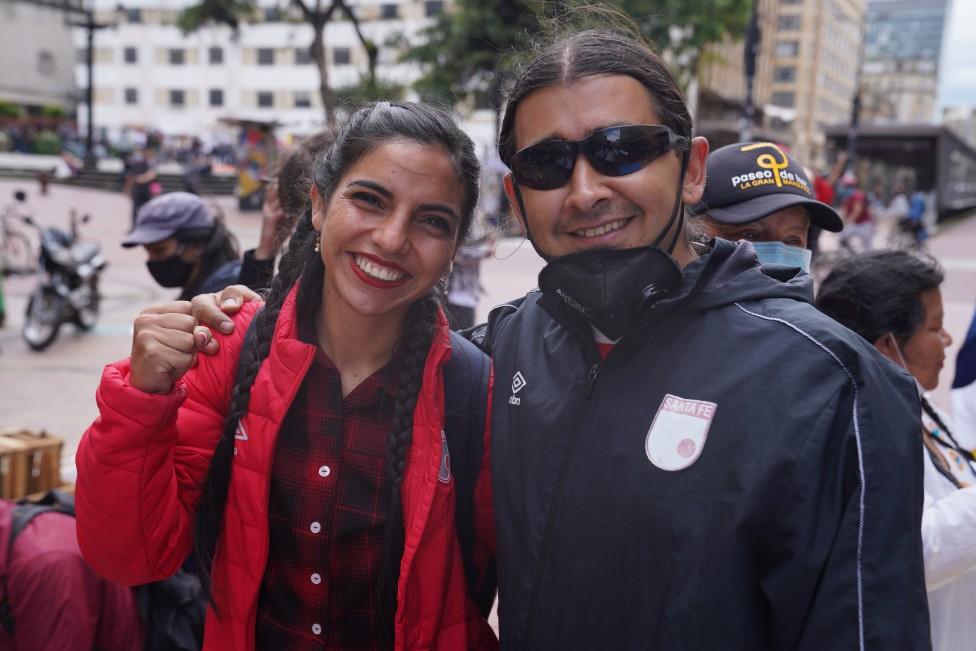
[892, 299]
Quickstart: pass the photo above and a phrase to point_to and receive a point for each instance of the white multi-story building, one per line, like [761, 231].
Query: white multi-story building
[36, 59]
[150, 75]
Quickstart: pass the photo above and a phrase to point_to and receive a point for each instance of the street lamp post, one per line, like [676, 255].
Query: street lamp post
[750, 54]
[858, 92]
[90, 27]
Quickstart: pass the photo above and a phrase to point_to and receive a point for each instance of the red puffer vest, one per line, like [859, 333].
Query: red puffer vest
[142, 463]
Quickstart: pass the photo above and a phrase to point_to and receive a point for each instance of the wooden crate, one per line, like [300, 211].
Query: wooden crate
[29, 463]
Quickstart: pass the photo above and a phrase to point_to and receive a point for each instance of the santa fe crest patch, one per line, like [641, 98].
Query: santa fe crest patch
[678, 432]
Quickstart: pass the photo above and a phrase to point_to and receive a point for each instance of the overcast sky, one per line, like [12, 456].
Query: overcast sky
[958, 77]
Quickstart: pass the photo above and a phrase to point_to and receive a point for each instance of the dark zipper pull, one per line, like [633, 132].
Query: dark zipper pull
[591, 378]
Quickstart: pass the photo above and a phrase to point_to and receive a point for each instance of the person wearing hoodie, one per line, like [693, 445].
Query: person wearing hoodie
[686, 454]
[755, 191]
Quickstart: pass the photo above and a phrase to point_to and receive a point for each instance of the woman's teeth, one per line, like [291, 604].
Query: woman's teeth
[603, 229]
[374, 270]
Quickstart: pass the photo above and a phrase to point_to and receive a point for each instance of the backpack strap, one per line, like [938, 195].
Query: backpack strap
[26, 510]
[466, 398]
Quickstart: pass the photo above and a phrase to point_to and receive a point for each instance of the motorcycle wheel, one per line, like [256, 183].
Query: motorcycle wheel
[86, 316]
[43, 319]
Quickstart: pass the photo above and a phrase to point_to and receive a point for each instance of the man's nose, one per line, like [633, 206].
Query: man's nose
[587, 187]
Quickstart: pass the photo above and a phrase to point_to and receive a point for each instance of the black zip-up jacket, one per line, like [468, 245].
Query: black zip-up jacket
[793, 522]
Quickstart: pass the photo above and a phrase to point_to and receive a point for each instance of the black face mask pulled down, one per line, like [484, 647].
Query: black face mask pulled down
[611, 288]
[173, 271]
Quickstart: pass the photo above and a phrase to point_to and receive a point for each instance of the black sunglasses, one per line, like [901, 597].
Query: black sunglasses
[613, 151]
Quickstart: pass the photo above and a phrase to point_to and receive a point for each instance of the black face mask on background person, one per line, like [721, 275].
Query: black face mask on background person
[173, 271]
[611, 288]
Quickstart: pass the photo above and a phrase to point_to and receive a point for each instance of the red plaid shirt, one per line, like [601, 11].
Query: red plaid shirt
[327, 510]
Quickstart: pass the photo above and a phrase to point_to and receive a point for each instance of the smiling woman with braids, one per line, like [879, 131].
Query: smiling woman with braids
[305, 463]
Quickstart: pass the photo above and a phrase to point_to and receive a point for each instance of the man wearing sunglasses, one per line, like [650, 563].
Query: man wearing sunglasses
[685, 453]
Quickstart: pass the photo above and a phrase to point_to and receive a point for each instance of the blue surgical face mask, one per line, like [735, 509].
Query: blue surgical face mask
[783, 254]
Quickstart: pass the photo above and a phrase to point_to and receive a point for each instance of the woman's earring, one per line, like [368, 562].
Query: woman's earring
[318, 243]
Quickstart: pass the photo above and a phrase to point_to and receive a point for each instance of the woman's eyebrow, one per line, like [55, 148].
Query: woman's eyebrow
[372, 185]
[376, 187]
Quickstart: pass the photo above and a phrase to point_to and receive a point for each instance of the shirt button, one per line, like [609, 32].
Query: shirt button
[316, 578]
[317, 629]
[316, 527]
[324, 471]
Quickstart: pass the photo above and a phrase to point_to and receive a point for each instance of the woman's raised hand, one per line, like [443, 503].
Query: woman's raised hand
[165, 341]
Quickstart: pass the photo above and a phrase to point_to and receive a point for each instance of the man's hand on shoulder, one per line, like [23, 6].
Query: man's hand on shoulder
[212, 310]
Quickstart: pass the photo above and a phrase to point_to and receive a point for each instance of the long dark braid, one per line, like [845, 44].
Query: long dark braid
[210, 511]
[418, 331]
[365, 130]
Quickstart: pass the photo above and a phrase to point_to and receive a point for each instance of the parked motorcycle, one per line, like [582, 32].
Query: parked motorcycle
[68, 288]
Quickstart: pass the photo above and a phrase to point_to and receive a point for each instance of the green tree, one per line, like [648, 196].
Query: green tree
[9, 109]
[463, 53]
[683, 29]
[316, 13]
[460, 51]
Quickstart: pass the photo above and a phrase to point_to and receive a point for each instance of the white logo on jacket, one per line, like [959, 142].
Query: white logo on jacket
[518, 383]
[678, 432]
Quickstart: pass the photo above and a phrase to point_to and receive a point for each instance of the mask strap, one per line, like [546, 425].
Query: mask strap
[525, 219]
[678, 211]
[901, 358]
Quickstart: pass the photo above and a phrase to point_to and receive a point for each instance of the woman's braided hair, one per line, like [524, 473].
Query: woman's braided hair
[364, 131]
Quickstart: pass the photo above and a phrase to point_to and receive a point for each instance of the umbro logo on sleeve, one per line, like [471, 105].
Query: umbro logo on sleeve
[518, 383]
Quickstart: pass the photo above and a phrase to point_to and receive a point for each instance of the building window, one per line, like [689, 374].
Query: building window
[389, 11]
[303, 99]
[265, 99]
[789, 22]
[216, 97]
[131, 95]
[272, 14]
[790, 2]
[341, 56]
[133, 15]
[265, 56]
[433, 7]
[787, 48]
[177, 57]
[45, 63]
[215, 55]
[130, 55]
[177, 98]
[303, 56]
[786, 100]
[785, 73]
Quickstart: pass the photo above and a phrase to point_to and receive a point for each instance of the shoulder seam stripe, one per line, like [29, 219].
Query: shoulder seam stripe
[860, 465]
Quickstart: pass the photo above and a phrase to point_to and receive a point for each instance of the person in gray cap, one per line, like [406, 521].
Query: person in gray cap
[188, 247]
[755, 191]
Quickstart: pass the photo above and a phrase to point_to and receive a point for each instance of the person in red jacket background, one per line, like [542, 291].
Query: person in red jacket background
[56, 602]
[305, 462]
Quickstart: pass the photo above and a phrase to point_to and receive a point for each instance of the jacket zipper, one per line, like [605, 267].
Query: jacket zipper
[547, 534]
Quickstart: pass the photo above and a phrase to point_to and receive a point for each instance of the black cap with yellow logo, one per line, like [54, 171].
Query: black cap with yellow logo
[751, 180]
